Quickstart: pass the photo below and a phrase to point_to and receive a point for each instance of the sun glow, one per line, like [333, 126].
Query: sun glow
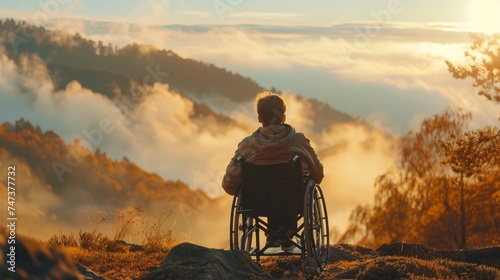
[484, 16]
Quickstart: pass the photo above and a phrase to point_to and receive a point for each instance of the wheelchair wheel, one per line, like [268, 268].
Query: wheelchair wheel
[239, 237]
[316, 230]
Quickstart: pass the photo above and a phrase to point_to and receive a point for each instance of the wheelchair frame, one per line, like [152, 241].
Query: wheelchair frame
[312, 234]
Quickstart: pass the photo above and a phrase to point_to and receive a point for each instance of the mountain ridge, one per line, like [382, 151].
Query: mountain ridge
[112, 70]
[71, 171]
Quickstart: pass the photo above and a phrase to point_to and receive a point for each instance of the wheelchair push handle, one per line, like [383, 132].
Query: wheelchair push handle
[294, 160]
[238, 159]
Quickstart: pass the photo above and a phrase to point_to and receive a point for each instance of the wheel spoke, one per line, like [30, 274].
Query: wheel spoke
[317, 236]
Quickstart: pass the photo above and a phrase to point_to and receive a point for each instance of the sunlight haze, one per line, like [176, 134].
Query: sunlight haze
[382, 63]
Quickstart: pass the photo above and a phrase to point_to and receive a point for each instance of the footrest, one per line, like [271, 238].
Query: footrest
[275, 251]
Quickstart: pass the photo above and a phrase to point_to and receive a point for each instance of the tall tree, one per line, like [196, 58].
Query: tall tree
[477, 153]
[445, 190]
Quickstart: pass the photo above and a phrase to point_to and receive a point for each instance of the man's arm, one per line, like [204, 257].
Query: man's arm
[232, 178]
[313, 162]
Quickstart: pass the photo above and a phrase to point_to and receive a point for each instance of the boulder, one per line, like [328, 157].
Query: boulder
[413, 250]
[489, 256]
[346, 252]
[32, 260]
[190, 261]
[87, 273]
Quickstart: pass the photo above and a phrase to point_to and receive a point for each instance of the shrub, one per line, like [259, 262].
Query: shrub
[62, 240]
[94, 241]
[124, 219]
[157, 240]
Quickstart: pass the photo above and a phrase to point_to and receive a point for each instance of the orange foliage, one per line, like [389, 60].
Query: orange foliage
[445, 190]
[76, 173]
[441, 194]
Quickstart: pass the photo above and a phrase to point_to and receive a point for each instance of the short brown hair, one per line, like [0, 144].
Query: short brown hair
[270, 107]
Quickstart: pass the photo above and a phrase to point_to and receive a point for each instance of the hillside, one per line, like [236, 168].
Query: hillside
[189, 261]
[119, 72]
[78, 177]
[58, 47]
[167, 123]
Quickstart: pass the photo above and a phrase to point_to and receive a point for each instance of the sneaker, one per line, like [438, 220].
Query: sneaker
[287, 246]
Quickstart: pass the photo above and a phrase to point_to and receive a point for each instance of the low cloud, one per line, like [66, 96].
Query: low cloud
[403, 58]
[160, 136]
[356, 157]
[36, 205]
[265, 15]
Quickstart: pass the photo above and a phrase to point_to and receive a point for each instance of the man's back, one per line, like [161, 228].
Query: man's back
[273, 143]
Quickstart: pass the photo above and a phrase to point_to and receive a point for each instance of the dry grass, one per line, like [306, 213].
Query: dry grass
[155, 237]
[131, 265]
[283, 267]
[111, 257]
[114, 259]
[116, 265]
[412, 268]
[291, 268]
[383, 268]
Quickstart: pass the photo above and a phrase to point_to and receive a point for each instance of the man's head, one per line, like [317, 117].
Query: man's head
[271, 108]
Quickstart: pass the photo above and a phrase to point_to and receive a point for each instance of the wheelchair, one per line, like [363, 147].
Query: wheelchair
[280, 191]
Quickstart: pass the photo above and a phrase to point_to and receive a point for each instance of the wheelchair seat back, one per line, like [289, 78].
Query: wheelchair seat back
[275, 190]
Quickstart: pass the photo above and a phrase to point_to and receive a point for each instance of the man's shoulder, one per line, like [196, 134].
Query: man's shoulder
[246, 141]
[300, 136]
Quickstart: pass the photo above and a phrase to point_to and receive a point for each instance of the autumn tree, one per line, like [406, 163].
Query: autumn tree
[475, 155]
[483, 66]
[445, 189]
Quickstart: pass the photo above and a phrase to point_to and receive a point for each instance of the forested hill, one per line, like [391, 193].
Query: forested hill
[62, 50]
[120, 71]
[45, 163]
[170, 130]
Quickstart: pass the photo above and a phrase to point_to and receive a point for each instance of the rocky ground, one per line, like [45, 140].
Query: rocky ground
[34, 260]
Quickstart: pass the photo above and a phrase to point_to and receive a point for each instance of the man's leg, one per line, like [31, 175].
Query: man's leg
[287, 226]
[272, 237]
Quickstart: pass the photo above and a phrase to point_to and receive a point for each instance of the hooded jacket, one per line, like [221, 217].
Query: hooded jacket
[269, 145]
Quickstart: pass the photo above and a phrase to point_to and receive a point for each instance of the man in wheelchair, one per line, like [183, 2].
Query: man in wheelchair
[274, 143]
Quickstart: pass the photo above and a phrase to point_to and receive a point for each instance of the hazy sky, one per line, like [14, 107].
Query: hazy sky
[284, 12]
[382, 60]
